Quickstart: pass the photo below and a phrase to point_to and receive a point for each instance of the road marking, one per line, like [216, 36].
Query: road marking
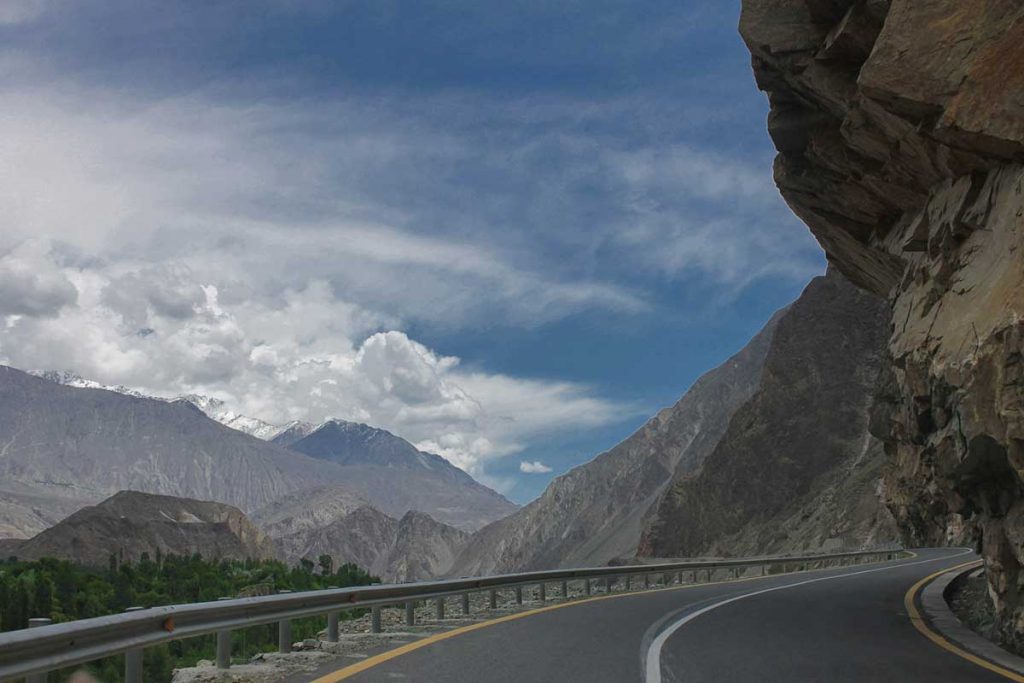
[922, 626]
[653, 660]
[369, 663]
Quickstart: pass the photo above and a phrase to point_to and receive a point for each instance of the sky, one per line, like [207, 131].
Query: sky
[508, 232]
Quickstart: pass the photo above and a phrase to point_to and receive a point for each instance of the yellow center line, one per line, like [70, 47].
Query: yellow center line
[370, 662]
[921, 625]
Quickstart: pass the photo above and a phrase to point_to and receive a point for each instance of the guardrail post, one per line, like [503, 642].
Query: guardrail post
[465, 604]
[680, 577]
[565, 589]
[133, 659]
[440, 608]
[284, 636]
[224, 649]
[36, 623]
[629, 582]
[332, 626]
[735, 572]
[519, 595]
[410, 613]
[586, 587]
[375, 619]
[543, 590]
[494, 599]
[647, 581]
[284, 632]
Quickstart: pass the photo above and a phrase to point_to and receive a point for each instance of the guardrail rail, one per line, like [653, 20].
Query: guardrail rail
[45, 647]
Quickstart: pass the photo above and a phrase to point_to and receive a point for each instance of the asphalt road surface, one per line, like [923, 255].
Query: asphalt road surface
[833, 625]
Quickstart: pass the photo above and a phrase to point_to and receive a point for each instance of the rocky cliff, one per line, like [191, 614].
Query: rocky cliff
[130, 524]
[900, 131]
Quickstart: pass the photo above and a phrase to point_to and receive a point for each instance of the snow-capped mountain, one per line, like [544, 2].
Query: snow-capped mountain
[217, 410]
[214, 408]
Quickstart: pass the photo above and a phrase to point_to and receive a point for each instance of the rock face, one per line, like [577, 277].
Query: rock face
[768, 452]
[796, 467]
[332, 521]
[129, 524]
[397, 478]
[900, 130]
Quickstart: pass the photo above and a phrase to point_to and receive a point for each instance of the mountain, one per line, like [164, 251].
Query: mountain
[800, 440]
[65, 447]
[397, 477]
[130, 524]
[28, 508]
[620, 504]
[288, 434]
[900, 135]
[86, 444]
[596, 512]
[214, 408]
[332, 521]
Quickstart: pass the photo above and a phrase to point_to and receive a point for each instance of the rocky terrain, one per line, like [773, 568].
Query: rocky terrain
[900, 131]
[332, 521]
[130, 523]
[787, 416]
[796, 468]
[63, 447]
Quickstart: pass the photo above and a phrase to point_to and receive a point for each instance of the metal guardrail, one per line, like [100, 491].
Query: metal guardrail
[35, 651]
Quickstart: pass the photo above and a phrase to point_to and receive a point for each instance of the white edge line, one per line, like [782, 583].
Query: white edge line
[653, 673]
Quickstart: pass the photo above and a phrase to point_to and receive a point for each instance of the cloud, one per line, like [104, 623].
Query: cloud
[31, 284]
[535, 467]
[305, 354]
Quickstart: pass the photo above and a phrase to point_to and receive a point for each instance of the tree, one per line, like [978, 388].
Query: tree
[326, 565]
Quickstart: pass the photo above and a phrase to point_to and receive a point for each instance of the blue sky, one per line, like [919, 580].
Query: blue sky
[507, 231]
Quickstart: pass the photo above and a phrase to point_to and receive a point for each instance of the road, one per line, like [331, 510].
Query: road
[836, 625]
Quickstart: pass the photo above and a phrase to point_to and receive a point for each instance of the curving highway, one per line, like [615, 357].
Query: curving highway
[835, 625]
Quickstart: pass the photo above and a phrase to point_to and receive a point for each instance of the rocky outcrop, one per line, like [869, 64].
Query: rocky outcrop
[130, 524]
[796, 468]
[900, 130]
[332, 521]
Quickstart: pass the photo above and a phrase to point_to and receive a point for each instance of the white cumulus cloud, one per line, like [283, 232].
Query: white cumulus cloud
[535, 467]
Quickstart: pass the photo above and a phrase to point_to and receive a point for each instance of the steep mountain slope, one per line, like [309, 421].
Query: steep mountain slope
[26, 509]
[332, 521]
[596, 512]
[397, 478]
[900, 131]
[770, 452]
[90, 443]
[130, 523]
[801, 437]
